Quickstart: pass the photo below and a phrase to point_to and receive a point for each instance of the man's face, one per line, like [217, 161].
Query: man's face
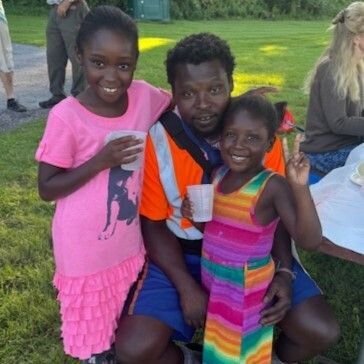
[201, 93]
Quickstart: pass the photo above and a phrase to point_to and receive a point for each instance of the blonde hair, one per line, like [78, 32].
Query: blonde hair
[348, 73]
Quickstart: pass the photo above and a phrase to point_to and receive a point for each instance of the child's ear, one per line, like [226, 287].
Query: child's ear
[271, 143]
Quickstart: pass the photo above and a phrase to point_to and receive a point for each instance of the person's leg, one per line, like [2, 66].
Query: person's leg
[7, 81]
[56, 56]
[69, 27]
[6, 69]
[145, 340]
[310, 327]
[153, 318]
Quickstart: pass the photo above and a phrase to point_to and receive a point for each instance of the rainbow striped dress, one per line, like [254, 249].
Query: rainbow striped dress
[237, 269]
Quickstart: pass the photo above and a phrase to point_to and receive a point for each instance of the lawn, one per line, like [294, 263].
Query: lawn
[274, 53]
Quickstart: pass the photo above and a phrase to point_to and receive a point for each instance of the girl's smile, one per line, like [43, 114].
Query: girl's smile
[244, 143]
[109, 60]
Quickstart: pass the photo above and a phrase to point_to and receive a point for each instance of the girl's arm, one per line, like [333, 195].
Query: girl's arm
[294, 204]
[55, 182]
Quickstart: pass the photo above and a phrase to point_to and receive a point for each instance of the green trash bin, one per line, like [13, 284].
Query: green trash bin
[149, 9]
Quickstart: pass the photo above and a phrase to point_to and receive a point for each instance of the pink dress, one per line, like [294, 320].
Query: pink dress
[98, 247]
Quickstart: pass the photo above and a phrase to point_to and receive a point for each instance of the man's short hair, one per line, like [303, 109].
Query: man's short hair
[196, 49]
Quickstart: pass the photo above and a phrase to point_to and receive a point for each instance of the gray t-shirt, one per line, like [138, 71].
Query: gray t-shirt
[53, 2]
[332, 122]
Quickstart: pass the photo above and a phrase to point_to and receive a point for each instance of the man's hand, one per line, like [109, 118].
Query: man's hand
[279, 292]
[194, 305]
[63, 7]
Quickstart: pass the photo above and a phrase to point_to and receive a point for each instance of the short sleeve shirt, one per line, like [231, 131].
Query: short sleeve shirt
[97, 226]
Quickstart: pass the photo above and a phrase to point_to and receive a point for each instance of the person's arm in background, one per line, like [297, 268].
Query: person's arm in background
[163, 247]
[334, 108]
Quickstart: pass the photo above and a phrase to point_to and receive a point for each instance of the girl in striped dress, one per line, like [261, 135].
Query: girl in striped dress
[248, 203]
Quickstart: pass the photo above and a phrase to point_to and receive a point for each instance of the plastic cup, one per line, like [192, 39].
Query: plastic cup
[132, 166]
[202, 197]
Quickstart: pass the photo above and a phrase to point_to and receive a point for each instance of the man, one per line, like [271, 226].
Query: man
[7, 64]
[168, 302]
[65, 17]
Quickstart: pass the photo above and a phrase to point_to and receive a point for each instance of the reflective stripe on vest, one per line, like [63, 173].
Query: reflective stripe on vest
[167, 176]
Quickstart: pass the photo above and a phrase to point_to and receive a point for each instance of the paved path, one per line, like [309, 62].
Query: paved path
[31, 86]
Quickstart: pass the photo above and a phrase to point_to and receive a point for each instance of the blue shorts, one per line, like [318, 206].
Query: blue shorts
[303, 287]
[156, 297]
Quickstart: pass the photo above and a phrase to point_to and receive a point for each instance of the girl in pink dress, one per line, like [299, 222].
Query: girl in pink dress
[98, 248]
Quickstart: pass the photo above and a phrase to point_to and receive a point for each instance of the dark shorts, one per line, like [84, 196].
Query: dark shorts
[155, 296]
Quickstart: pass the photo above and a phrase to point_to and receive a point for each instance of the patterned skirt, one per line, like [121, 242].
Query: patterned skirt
[233, 333]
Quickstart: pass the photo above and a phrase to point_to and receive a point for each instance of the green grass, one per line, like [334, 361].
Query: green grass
[276, 53]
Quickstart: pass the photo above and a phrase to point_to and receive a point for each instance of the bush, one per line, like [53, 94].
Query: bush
[215, 9]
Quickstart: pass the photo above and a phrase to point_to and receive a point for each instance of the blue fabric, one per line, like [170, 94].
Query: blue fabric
[213, 154]
[313, 178]
[326, 162]
[304, 286]
[159, 299]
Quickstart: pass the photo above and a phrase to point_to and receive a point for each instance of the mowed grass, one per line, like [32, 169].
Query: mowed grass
[267, 53]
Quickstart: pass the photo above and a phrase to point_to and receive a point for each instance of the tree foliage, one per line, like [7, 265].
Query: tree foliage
[214, 9]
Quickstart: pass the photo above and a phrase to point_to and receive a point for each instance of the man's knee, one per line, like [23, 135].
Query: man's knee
[134, 351]
[141, 339]
[325, 333]
[312, 323]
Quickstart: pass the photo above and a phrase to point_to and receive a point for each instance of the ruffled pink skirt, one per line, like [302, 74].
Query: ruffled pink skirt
[91, 306]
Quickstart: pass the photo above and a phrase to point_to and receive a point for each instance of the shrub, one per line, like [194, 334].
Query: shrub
[215, 9]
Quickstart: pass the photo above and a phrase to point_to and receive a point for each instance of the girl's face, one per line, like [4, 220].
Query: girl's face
[244, 142]
[109, 61]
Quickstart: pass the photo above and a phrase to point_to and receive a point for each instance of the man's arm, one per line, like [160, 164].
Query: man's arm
[165, 251]
[163, 246]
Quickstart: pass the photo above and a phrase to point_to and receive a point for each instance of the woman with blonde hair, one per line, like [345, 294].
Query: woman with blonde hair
[335, 121]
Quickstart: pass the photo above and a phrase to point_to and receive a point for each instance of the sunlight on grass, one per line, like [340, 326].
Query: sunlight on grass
[246, 81]
[272, 50]
[150, 43]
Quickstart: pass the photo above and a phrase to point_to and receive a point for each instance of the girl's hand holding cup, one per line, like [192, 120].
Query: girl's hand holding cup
[122, 148]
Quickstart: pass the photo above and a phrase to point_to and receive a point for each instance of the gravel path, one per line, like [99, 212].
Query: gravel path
[31, 86]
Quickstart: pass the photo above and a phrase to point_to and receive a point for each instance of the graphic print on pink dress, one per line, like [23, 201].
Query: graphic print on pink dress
[120, 206]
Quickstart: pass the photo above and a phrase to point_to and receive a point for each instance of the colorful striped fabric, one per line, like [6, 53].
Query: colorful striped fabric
[236, 270]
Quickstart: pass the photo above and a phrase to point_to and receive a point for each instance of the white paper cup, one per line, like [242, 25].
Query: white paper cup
[139, 135]
[202, 198]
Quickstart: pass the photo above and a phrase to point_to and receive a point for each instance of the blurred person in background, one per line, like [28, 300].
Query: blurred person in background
[7, 64]
[65, 17]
